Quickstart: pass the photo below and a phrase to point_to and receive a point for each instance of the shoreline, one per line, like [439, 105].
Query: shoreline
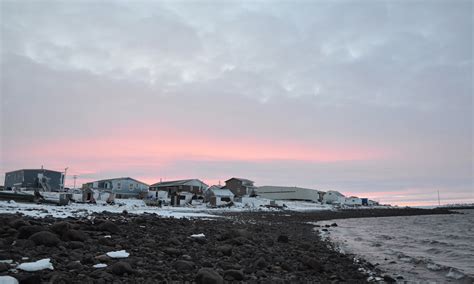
[271, 247]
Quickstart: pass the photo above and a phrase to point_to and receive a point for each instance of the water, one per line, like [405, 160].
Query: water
[428, 249]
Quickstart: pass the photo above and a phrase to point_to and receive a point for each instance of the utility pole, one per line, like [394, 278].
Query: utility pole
[75, 177]
[439, 201]
[64, 178]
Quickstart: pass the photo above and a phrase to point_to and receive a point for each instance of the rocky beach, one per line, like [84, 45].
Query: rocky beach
[251, 247]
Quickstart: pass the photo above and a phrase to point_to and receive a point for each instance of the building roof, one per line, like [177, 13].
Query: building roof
[175, 182]
[109, 179]
[46, 170]
[284, 188]
[221, 191]
[241, 179]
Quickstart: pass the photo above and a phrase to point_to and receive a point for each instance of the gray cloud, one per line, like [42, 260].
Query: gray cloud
[385, 75]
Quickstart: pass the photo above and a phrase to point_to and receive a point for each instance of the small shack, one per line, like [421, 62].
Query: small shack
[217, 196]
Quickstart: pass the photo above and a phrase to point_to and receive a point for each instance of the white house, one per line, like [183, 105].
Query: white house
[288, 193]
[334, 197]
[123, 187]
[218, 196]
[353, 201]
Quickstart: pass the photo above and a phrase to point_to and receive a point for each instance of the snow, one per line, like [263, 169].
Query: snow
[37, 265]
[8, 280]
[7, 261]
[118, 254]
[100, 265]
[198, 236]
[134, 206]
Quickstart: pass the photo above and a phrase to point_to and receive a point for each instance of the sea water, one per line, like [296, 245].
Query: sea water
[424, 249]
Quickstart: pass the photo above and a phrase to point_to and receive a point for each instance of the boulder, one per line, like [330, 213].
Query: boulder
[74, 235]
[26, 231]
[208, 276]
[233, 274]
[172, 251]
[75, 245]
[183, 265]
[109, 227]
[4, 267]
[60, 227]
[260, 263]
[45, 238]
[282, 239]
[225, 249]
[120, 268]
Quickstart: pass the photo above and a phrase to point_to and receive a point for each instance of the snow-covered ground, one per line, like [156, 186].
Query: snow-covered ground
[133, 206]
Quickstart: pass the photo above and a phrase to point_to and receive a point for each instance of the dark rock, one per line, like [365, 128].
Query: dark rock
[228, 265]
[28, 278]
[389, 279]
[24, 243]
[26, 231]
[74, 235]
[109, 227]
[225, 249]
[208, 276]
[74, 265]
[60, 227]
[260, 263]
[75, 245]
[121, 268]
[172, 251]
[4, 267]
[333, 225]
[45, 238]
[282, 239]
[183, 265]
[313, 263]
[233, 274]
[18, 223]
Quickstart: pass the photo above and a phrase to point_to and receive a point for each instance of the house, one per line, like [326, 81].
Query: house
[333, 197]
[122, 187]
[289, 193]
[194, 186]
[218, 196]
[240, 186]
[46, 180]
[353, 201]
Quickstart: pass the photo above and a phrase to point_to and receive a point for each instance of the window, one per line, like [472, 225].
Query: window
[118, 185]
[130, 186]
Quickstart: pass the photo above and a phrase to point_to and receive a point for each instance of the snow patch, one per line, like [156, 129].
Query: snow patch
[8, 280]
[118, 254]
[37, 265]
[100, 265]
[198, 236]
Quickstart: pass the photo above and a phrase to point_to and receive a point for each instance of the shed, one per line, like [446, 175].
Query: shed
[218, 196]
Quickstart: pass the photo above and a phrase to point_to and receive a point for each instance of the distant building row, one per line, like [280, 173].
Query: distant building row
[178, 191]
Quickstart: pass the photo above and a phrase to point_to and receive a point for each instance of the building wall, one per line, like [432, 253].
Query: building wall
[195, 187]
[236, 187]
[333, 197]
[288, 193]
[122, 187]
[29, 178]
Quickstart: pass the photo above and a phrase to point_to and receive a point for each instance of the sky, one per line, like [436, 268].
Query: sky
[370, 98]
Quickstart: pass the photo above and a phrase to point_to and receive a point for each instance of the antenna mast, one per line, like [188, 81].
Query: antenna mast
[439, 202]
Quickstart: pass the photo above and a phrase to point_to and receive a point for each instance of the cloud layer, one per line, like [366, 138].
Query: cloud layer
[360, 96]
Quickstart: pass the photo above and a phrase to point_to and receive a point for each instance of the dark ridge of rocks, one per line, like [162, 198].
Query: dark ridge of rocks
[45, 238]
[264, 247]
